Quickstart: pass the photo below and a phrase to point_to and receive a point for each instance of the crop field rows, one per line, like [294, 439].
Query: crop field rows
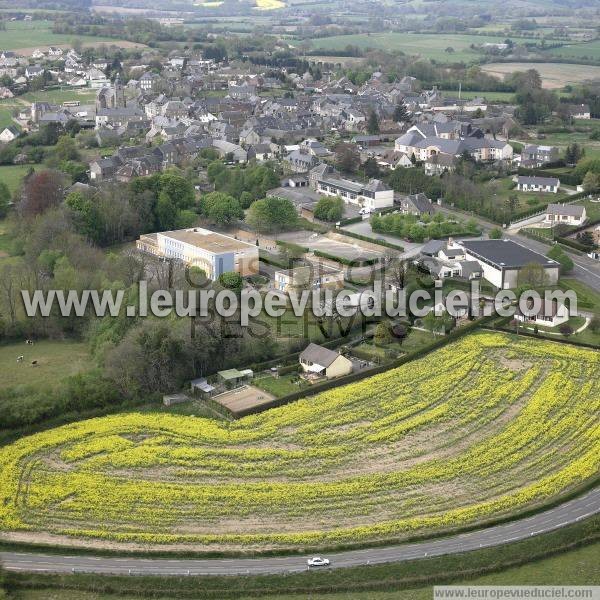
[479, 429]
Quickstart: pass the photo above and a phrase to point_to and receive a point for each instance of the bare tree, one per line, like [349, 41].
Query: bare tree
[397, 273]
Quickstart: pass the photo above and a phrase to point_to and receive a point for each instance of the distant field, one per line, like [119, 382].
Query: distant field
[13, 174]
[427, 45]
[586, 50]
[554, 75]
[27, 35]
[269, 4]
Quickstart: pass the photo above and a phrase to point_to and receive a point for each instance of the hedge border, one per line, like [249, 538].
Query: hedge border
[366, 238]
[353, 377]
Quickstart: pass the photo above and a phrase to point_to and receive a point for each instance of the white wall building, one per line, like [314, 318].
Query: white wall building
[502, 261]
[569, 214]
[373, 195]
[212, 252]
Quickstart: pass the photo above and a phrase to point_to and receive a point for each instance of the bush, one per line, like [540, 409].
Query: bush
[21, 408]
[566, 329]
[558, 254]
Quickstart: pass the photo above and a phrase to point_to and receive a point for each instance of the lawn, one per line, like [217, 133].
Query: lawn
[7, 106]
[58, 96]
[415, 340]
[527, 200]
[12, 175]
[409, 452]
[587, 298]
[562, 140]
[591, 208]
[55, 361]
[280, 386]
[432, 46]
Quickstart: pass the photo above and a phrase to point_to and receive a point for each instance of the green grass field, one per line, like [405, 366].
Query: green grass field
[431, 46]
[12, 175]
[59, 96]
[56, 360]
[586, 50]
[587, 298]
[4, 241]
[576, 567]
[7, 106]
[526, 199]
[281, 386]
[30, 34]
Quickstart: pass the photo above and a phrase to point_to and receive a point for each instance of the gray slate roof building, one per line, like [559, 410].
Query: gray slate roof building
[543, 181]
[318, 355]
[506, 254]
[572, 210]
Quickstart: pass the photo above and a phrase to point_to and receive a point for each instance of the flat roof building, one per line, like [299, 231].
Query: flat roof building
[502, 260]
[213, 252]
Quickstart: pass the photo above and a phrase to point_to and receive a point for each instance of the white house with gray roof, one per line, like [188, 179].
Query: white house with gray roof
[372, 195]
[324, 362]
[549, 185]
[569, 214]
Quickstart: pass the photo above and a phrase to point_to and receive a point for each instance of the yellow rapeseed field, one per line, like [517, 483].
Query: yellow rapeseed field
[483, 427]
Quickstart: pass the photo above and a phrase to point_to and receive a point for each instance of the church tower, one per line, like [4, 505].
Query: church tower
[119, 93]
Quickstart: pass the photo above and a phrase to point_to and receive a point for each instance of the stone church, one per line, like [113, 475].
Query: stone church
[111, 97]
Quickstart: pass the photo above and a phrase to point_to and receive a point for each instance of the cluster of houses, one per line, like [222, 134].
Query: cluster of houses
[439, 143]
[497, 261]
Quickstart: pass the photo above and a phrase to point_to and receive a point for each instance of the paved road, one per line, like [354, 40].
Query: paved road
[567, 513]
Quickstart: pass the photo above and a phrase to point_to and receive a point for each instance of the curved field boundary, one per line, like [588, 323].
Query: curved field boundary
[565, 514]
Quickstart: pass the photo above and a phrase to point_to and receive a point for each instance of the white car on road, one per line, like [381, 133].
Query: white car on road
[317, 561]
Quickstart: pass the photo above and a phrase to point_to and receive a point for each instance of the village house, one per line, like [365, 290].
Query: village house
[538, 156]
[8, 134]
[568, 214]
[538, 184]
[550, 314]
[313, 276]
[373, 195]
[415, 204]
[321, 361]
[426, 140]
